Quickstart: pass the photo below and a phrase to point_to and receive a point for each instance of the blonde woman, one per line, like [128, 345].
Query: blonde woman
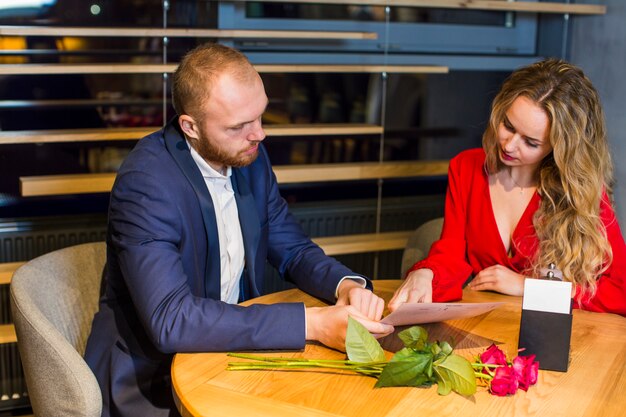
[537, 193]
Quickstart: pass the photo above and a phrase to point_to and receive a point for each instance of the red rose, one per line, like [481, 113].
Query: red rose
[533, 373]
[526, 370]
[504, 377]
[493, 356]
[504, 382]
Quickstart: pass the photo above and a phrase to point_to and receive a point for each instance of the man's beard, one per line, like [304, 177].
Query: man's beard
[212, 153]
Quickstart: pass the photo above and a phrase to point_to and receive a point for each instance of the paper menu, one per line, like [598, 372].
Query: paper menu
[419, 313]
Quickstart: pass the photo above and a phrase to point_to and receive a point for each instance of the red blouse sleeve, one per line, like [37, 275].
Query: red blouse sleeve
[447, 256]
[610, 295]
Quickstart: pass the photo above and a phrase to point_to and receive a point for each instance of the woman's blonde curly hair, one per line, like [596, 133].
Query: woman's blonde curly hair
[573, 177]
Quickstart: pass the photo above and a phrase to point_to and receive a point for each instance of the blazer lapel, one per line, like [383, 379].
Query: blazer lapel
[177, 147]
[250, 228]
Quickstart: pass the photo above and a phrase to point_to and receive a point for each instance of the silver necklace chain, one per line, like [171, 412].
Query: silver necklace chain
[521, 189]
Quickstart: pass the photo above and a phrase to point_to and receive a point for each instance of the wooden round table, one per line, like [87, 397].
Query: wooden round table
[594, 385]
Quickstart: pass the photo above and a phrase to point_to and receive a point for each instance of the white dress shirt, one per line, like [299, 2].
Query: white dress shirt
[228, 228]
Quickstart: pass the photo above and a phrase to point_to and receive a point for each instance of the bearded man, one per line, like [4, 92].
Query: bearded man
[195, 213]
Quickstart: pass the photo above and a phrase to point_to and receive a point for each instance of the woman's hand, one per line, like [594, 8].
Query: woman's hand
[416, 288]
[499, 278]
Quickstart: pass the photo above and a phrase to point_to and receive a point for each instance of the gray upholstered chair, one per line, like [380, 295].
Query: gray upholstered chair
[53, 300]
[419, 243]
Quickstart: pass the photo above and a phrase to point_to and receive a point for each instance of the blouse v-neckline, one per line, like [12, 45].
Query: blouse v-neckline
[524, 220]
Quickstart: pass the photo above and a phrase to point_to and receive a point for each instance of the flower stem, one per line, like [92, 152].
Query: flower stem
[265, 363]
[311, 364]
[304, 360]
[481, 375]
[301, 360]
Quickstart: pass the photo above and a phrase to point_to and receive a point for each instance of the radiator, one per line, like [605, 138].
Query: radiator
[13, 393]
[25, 239]
[359, 216]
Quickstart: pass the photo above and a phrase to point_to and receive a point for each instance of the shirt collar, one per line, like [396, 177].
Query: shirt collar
[206, 169]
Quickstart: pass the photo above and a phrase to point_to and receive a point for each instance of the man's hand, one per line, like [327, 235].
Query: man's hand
[416, 288]
[328, 325]
[369, 304]
[499, 278]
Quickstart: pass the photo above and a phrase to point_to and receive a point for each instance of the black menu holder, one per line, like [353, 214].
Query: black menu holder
[545, 332]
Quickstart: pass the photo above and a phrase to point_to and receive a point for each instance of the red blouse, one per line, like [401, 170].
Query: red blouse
[470, 241]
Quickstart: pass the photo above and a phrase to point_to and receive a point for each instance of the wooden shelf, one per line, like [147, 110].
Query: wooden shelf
[363, 243]
[495, 5]
[178, 33]
[135, 133]
[42, 104]
[7, 334]
[48, 185]
[64, 69]
[290, 174]
[74, 135]
[322, 129]
[6, 271]
[147, 68]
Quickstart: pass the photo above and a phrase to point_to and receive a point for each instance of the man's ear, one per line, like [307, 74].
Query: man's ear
[188, 126]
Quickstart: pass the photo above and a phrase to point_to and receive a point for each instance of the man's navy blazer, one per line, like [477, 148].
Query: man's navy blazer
[161, 286]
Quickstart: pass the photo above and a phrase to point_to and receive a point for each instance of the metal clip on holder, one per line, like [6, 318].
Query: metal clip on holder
[552, 273]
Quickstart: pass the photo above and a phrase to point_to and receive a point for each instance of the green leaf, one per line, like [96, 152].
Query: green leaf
[441, 350]
[456, 372]
[445, 347]
[444, 385]
[407, 368]
[415, 337]
[361, 346]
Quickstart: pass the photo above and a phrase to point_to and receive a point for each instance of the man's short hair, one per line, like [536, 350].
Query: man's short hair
[199, 68]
